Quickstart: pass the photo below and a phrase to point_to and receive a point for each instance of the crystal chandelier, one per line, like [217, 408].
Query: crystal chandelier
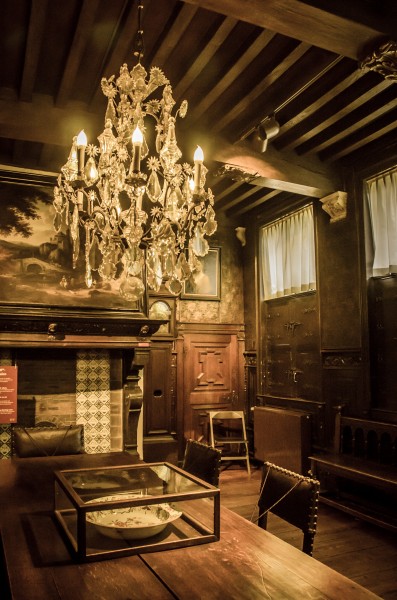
[135, 215]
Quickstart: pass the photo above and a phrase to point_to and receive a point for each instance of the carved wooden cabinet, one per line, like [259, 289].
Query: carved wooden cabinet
[291, 347]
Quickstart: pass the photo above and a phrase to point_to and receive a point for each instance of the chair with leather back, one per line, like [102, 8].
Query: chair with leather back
[48, 440]
[292, 497]
[202, 461]
[227, 431]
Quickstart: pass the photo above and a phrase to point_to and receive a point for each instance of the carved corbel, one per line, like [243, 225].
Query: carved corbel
[335, 205]
[383, 60]
[236, 173]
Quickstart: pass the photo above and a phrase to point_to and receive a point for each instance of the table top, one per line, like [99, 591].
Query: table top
[246, 563]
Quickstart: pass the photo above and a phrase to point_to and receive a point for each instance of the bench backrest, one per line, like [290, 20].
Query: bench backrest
[372, 440]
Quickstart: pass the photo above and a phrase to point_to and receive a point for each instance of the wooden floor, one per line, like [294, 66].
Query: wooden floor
[363, 552]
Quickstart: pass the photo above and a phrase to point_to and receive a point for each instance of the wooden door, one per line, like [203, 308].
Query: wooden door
[212, 379]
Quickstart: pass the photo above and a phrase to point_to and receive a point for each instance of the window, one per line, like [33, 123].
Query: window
[287, 254]
[380, 197]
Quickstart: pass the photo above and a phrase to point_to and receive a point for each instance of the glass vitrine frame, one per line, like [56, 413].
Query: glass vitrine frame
[135, 486]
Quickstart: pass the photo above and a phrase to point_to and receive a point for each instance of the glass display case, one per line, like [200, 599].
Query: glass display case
[116, 511]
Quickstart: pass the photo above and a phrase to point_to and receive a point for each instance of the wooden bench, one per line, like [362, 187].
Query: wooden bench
[360, 475]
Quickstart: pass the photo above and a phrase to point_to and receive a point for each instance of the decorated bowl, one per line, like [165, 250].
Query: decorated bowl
[131, 522]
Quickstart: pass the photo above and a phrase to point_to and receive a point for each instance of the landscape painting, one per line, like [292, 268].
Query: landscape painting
[36, 262]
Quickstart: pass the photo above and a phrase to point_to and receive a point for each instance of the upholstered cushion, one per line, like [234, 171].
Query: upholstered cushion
[47, 441]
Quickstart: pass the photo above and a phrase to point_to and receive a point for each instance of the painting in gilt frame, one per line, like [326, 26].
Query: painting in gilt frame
[205, 282]
[36, 272]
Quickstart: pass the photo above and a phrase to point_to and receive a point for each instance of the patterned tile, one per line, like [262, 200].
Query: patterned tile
[93, 398]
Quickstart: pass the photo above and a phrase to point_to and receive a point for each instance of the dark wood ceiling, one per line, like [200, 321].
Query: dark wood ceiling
[237, 62]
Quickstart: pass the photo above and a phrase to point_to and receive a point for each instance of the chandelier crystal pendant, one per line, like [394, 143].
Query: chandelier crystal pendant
[136, 216]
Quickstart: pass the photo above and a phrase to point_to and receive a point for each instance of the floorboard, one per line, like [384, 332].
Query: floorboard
[363, 552]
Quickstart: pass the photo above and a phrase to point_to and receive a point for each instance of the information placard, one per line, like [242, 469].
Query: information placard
[8, 394]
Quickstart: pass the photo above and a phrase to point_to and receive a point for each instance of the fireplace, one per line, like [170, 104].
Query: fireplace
[101, 388]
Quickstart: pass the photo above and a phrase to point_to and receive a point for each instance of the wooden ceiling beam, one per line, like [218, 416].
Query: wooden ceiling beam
[362, 137]
[232, 186]
[203, 58]
[32, 50]
[231, 74]
[76, 51]
[245, 103]
[324, 119]
[254, 204]
[174, 34]
[343, 130]
[331, 27]
[39, 121]
[239, 198]
[312, 108]
[273, 171]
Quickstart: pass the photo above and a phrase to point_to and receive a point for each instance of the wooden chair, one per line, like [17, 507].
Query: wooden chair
[47, 441]
[291, 497]
[227, 431]
[202, 461]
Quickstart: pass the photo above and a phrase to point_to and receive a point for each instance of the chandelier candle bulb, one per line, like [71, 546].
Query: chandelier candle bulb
[80, 200]
[137, 141]
[81, 146]
[198, 165]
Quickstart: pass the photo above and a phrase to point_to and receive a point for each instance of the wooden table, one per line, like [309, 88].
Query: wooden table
[247, 563]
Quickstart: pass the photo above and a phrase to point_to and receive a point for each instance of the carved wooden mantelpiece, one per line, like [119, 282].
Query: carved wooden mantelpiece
[84, 331]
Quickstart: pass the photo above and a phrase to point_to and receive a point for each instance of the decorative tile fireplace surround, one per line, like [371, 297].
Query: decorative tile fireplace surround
[94, 399]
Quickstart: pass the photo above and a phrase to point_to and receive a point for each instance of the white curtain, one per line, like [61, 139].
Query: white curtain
[287, 252]
[381, 242]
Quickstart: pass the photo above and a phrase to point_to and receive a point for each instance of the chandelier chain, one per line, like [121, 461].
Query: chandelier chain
[139, 45]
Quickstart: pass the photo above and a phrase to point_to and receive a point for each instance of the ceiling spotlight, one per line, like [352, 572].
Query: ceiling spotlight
[265, 131]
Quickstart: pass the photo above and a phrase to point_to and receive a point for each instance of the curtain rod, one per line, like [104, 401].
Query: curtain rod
[286, 216]
[381, 174]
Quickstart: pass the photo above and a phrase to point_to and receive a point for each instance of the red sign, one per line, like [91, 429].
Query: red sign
[8, 394]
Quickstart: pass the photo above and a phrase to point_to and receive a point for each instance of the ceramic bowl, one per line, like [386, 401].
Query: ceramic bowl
[132, 522]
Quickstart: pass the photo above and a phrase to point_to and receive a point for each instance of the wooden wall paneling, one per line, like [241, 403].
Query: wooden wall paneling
[344, 382]
[159, 435]
[277, 349]
[250, 383]
[339, 280]
[383, 342]
[292, 347]
[250, 274]
[307, 355]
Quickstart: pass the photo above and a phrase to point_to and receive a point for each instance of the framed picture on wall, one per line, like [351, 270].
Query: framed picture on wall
[205, 282]
[38, 282]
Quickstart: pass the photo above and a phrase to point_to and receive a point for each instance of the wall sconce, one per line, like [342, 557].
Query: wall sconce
[240, 235]
[265, 131]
